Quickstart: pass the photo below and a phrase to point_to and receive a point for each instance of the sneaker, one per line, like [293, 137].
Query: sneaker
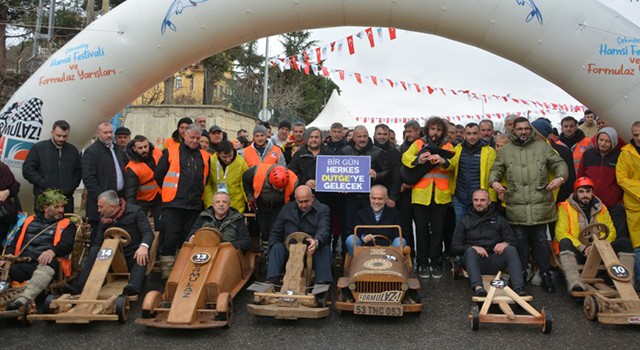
[547, 283]
[520, 292]
[536, 280]
[436, 272]
[480, 292]
[423, 272]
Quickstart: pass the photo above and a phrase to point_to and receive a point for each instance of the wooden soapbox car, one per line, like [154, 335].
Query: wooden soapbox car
[379, 280]
[199, 293]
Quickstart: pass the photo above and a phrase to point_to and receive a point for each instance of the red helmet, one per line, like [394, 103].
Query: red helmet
[279, 177]
[582, 182]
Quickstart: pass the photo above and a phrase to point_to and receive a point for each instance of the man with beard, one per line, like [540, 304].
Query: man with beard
[589, 127]
[392, 158]
[486, 132]
[471, 166]
[54, 163]
[411, 133]
[102, 170]
[581, 209]
[47, 238]
[140, 186]
[361, 145]
[574, 138]
[487, 245]
[526, 163]
[225, 175]
[290, 148]
[178, 135]
[262, 150]
[430, 197]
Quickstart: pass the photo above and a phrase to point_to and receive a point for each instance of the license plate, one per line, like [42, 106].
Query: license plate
[378, 310]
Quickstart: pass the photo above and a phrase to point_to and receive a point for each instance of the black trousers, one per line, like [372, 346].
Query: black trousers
[429, 230]
[477, 265]
[266, 216]
[177, 225]
[23, 271]
[405, 208]
[620, 245]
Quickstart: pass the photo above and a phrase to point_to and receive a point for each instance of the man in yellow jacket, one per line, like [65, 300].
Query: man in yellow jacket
[430, 196]
[581, 209]
[628, 176]
[225, 175]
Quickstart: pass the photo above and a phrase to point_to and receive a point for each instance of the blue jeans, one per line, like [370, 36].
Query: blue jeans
[459, 208]
[534, 237]
[349, 243]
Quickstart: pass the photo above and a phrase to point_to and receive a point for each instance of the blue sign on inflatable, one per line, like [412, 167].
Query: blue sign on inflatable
[343, 174]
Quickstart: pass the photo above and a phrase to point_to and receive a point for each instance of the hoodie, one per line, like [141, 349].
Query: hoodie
[601, 169]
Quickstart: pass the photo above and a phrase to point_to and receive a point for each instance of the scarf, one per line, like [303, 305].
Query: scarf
[110, 221]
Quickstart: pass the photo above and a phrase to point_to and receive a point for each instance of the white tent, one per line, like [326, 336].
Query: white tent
[334, 111]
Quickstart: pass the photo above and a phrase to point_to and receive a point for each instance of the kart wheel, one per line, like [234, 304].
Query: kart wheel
[590, 307]
[122, 308]
[26, 310]
[414, 295]
[547, 320]
[475, 317]
[152, 300]
[46, 307]
[224, 308]
[321, 299]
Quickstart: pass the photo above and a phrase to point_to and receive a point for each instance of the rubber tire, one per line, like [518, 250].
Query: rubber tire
[26, 310]
[146, 314]
[547, 324]
[122, 308]
[475, 317]
[46, 309]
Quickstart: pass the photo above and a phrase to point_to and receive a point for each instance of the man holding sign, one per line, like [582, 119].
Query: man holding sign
[357, 198]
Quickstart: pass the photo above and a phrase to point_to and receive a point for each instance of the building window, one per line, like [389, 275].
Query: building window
[178, 82]
[193, 83]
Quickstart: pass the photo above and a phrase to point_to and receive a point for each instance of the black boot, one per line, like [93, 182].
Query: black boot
[547, 282]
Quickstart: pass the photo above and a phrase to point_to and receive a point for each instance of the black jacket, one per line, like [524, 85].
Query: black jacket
[135, 222]
[99, 173]
[392, 157]
[567, 187]
[482, 230]
[47, 166]
[44, 241]
[131, 182]
[334, 147]
[232, 227]
[365, 216]
[303, 164]
[190, 183]
[378, 161]
[316, 222]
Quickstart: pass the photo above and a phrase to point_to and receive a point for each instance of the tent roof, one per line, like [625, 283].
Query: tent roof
[334, 111]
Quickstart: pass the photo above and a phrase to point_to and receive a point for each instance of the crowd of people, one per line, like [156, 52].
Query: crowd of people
[486, 196]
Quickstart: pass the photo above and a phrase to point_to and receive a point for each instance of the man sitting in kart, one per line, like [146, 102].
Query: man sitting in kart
[486, 242]
[115, 212]
[47, 238]
[579, 210]
[304, 215]
[226, 219]
[378, 213]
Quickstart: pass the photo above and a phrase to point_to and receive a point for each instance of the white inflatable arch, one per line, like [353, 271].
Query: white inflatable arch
[583, 46]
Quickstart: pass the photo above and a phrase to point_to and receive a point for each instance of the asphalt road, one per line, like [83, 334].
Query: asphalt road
[442, 325]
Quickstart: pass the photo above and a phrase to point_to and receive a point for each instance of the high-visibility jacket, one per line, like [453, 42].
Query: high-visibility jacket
[170, 182]
[262, 175]
[170, 142]
[571, 221]
[578, 150]
[423, 191]
[148, 188]
[270, 156]
[487, 157]
[628, 176]
[65, 262]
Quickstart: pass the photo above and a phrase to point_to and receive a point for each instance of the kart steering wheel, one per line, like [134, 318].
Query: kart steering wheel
[212, 235]
[592, 232]
[383, 237]
[296, 238]
[118, 233]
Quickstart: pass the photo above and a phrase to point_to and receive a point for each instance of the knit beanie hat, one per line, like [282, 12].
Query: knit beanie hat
[543, 127]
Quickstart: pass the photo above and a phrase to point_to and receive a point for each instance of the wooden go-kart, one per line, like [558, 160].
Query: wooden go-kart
[101, 299]
[379, 280]
[199, 293]
[296, 298]
[615, 305]
[499, 293]
[9, 292]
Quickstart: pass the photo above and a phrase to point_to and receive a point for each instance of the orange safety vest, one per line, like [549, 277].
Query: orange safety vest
[62, 224]
[170, 182]
[148, 187]
[252, 157]
[437, 174]
[261, 176]
[578, 150]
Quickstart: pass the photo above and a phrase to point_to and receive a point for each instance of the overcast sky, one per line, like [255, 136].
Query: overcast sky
[438, 62]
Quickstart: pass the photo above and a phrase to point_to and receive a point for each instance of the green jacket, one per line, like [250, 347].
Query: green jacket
[526, 166]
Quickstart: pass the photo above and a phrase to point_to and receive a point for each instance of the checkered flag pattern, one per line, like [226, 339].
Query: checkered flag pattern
[29, 111]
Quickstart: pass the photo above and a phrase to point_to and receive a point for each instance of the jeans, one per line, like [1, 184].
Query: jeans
[349, 243]
[536, 237]
[459, 208]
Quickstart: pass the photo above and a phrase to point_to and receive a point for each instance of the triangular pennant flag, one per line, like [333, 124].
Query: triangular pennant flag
[404, 85]
[306, 58]
[380, 36]
[430, 89]
[390, 82]
[417, 87]
[306, 69]
[359, 35]
[318, 55]
[358, 77]
[374, 80]
[341, 73]
[294, 63]
[370, 36]
[333, 46]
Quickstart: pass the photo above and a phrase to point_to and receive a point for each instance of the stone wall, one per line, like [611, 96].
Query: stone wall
[158, 122]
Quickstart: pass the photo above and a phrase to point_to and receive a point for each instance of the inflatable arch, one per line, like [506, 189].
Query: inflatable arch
[141, 42]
